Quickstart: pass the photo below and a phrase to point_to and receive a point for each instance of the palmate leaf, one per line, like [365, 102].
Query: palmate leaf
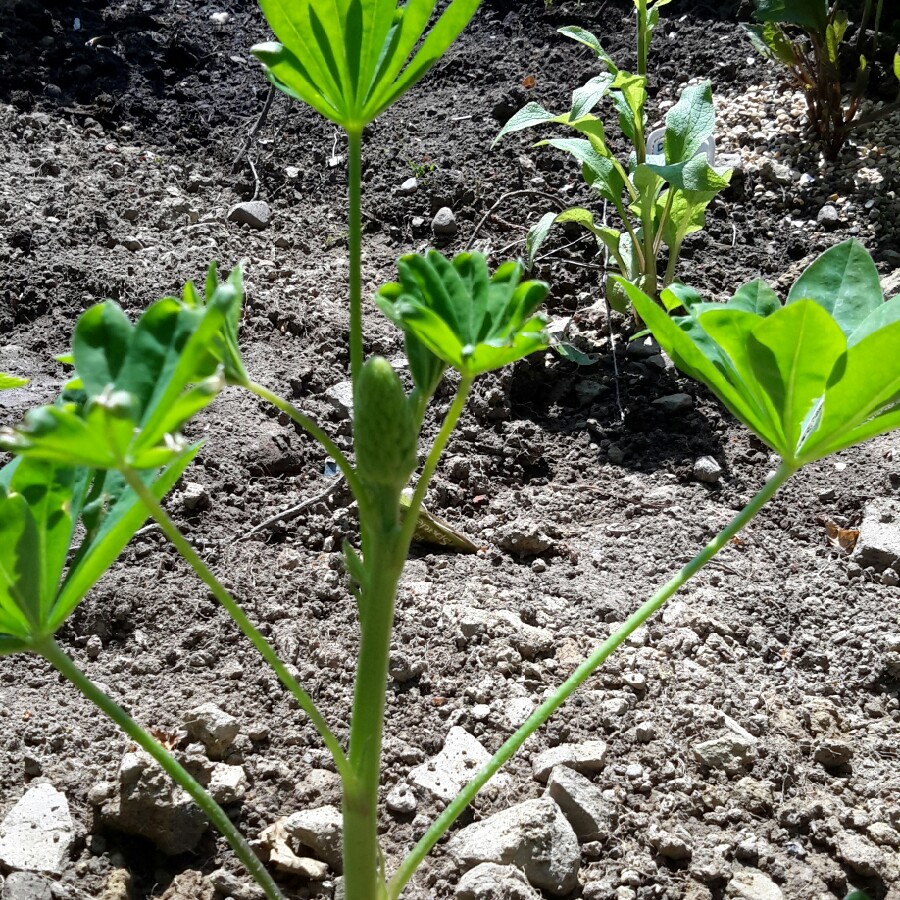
[40, 504]
[351, 59]
[813, 377]
[472, 322]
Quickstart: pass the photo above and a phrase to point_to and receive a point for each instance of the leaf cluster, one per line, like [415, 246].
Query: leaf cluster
[660, 199]
[810, 378]
[134, 387]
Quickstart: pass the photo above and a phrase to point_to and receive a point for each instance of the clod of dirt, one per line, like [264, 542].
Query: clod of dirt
[730, 752]
[707, 469]
[492, 882]
[523, 537]
[38, 831]
[322, 830]
[213, 727]
[190, 885]
[148, 804]
[535, 836]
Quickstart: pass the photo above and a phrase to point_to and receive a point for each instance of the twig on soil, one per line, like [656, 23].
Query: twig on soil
[293, 511]
[508, 196]
[254, 131]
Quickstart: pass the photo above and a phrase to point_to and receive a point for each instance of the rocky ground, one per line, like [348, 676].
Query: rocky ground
[743, 745]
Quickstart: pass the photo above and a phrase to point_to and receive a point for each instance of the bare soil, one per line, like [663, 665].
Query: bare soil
[130, 143]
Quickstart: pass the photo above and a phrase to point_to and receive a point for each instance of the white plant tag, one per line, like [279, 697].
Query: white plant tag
[656, 145]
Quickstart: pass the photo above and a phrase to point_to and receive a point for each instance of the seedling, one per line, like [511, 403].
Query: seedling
[806, 37]
[90, 468]
[660, 198]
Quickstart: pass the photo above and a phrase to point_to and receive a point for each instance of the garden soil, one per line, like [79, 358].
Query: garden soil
[126, 136]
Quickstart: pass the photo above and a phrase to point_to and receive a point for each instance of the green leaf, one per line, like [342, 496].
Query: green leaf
[117, 529]
[809, 14]
[20, 567]
[589, 40]
[100, 345]
[8, 382]
[793, 353]
[536, 236]
[755, 297]
[880, 317]
[897, 66]
[630, 96]
[834, 34]
[859, 391]
[771, 42]
[689, 123]
[585, 98]
[529, 116]
[473, 324]
[844, 282]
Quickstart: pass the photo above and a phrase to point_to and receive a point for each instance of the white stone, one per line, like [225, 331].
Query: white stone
[533, 836]
[492, 882]
[444, 776]
[38, 831]
[749, 884]
[322, 830]
[228, 784]
[582, 803]
[585, 758]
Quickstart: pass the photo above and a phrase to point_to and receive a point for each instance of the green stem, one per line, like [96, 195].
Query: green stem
[667, 211]
[171, 531]
[672, 265]
[434, 456]
[577, 678]
[362, 872]
[53, 653]
[354, 178]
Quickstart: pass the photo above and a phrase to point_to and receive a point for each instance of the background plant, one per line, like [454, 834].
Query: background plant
[807, 37]
[660, 198]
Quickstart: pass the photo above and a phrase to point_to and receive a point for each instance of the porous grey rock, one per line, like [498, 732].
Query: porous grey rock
[194, 496]
[401, 800]
[213, 727]
[227, 784]
[229, 885]
[492, 882]
[256, 214]
[587, 757]
[38, 831]
[523, 537]
[828, 217]
[707, 469]
[878, 544]
[582, 803]
[534, 836]
[751, 884]
[26, 886]
[147, 803]
[444, 776]
[675, 403]
[444, 223]
[730, 752]
[776, 172]
[340, 396]
[322, 830]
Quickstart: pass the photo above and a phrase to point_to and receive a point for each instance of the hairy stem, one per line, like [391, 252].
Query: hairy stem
[172, 532]
[53, 653]
[578, 677]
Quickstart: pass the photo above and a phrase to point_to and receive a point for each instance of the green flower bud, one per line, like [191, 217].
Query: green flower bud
[385, 435]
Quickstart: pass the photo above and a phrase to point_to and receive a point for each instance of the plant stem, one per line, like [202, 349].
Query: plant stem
[672, 265]
[362, 872]
[384, 562]
[354, 178]
[578, 677]
[434, 456]
[172, 532]
[53, 653]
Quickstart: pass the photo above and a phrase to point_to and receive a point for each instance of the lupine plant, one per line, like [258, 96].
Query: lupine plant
[806, 37]
[660, 198]
[90, 468]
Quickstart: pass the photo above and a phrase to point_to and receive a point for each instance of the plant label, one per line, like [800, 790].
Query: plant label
[657, 139]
